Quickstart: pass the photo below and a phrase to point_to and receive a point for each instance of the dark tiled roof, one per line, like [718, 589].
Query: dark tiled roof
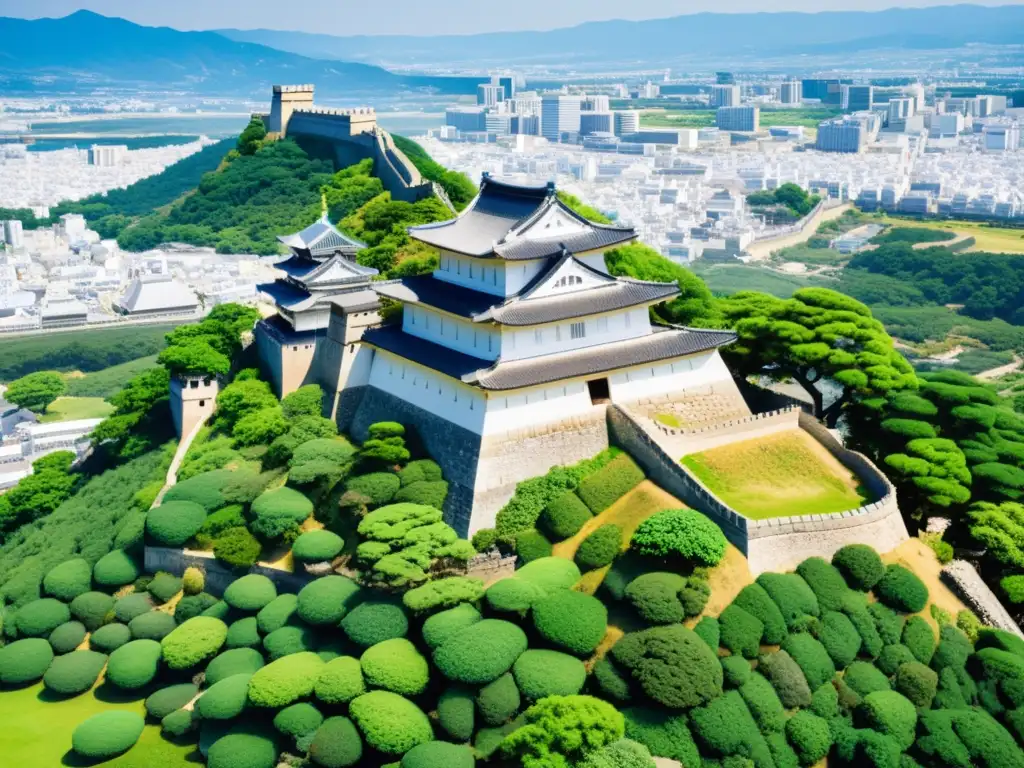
[660, 345]
[500, 209]
[357, 301]
[295, 266]
[392, 339]
[448, 297]
[565, 306]
[284, 294]
[663, 344]
[321, 238]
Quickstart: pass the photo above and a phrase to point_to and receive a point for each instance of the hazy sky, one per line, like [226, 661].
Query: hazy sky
[417, 17]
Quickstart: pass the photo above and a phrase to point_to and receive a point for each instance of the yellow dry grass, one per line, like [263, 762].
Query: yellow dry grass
[987, 239]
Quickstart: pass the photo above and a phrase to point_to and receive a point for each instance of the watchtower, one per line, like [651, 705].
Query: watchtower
[286, 99]
[193, 399]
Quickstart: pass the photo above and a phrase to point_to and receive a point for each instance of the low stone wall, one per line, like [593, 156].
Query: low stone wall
[490, 567]
[218, 575]
[775, 543]
[965, 581]
[698, 439]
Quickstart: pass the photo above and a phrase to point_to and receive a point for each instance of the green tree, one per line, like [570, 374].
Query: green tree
[36, 390]
[251, 138]
[197, 358]
[587, 212]
[817, 335]
[695, 304]
[562, 730]
[304, 401]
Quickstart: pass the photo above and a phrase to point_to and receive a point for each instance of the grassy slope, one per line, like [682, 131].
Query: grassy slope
[777, 476]
[108, 381]
[988, 239]
[73, 408]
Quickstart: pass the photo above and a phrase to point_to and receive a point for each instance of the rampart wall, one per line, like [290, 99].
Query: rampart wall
[218, 575]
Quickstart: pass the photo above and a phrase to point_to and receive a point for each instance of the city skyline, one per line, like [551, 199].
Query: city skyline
[462, 16]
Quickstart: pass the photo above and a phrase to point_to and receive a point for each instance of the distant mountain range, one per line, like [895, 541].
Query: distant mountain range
[658, 42]
[86, 48]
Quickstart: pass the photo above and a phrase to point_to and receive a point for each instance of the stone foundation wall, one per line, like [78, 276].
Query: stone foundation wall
[218, 575]
[686, 441]
[965, 581]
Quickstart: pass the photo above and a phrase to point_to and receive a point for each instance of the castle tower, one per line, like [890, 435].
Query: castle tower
[342, 364]
[193, 398]
[286, 99]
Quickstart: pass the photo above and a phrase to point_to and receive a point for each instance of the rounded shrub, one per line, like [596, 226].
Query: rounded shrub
[481, 652]
[170, 699]
[825, 581]
[431, 494]
[613, 683]
[438, 594]
[128, 607]
[280, 612]
[68, 580]
[499, 701]
[178, 723]
[395, 665]
[441, 626]
[193, 581]
[572, 621]
[563, 517]
[115, 569]
[244, 633]
[75, 672]
[134, 664]
[67, 637]
[243, 747]
[375, 621]
[892, 657]
[512, 595]
[154, 625]
[740, 632]
[173, 523]
[440, 754]
[237, 661]
[918, 683]
[865, 678]
[953, 650]
[288, 640]
[891, 714]
[810, 737]
[378, 487]
[811, 657]
[340, 681]
[225, 699]
[860, 565]
[421, 470]
[277, 510]
[888, 623]
[600, 547]
[217, 610]
[550, 573]
[194, 641]
[91, 608]
[107, 734]
[541, 673]
[763, 703]
[194, 605]
[164, 586]
[758, 603]
[786, 678]
[901, 590]
[132, 535]
[40, 617]
[286, 680]
[250, 593]
[317, 546]
[672, 664]
[919, 638]
[532, 545]
[109, 637]
[390, 723]
[681, 533]
[205, 489]
[708, 630]
[840, 638]
[456, 712]
[336, 744]
[736, 671]
[237, 547]
[664, 733]
[796, 600]
[326, 600]
[298, 720]
[655, 596]
[24, 661]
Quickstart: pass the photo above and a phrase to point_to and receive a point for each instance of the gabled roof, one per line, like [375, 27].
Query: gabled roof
[156, 293]
[661, 345]
[337, 269]
[525, 308]
[501, 220]
[321, 238]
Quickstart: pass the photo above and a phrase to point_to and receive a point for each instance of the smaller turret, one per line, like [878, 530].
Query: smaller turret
[193, 399]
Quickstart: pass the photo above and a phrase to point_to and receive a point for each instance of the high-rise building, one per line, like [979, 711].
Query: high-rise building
[841, 135]
[627, 121]
[529, 125]
[901, 109]
[466, 118]
[827, 91]
[107, 155]
[649, 91]
[489, 95]
[508, 82]
[946, 125]
[854, 98]
[12, 233]
[527, 103]
[498, 123]
[725, 96]
[596, 122]
[725, 78]
[596, 103]
[1001, 137]
[559, 114]
[738, 118]
[790, 92]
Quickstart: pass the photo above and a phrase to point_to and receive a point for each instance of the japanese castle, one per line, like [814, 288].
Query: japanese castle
[510, 351]
[320, 274]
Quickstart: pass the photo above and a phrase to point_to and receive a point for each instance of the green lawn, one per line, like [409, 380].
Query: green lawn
[36, 730]
[724, 279]
[110, 380]
[781, 475]
[72, 408]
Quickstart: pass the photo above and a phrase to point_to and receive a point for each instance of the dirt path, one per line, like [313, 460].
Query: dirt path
[961, 236]
[1002, 370]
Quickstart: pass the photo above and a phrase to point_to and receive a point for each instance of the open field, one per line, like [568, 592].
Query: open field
[988, 239]
[72, 408]
[699, 118]
[726, 279]
[37, 730]
[108, 381]
[780, 475]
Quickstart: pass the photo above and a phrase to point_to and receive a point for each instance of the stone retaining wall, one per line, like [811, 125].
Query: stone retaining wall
[218, 575]
[965, 581]
[699, 439]
[775, 543]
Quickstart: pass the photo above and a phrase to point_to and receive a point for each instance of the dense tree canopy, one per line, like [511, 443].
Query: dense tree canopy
[36, 390]
[695, 304]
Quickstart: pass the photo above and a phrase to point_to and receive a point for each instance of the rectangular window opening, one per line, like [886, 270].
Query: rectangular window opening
[600, 392]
